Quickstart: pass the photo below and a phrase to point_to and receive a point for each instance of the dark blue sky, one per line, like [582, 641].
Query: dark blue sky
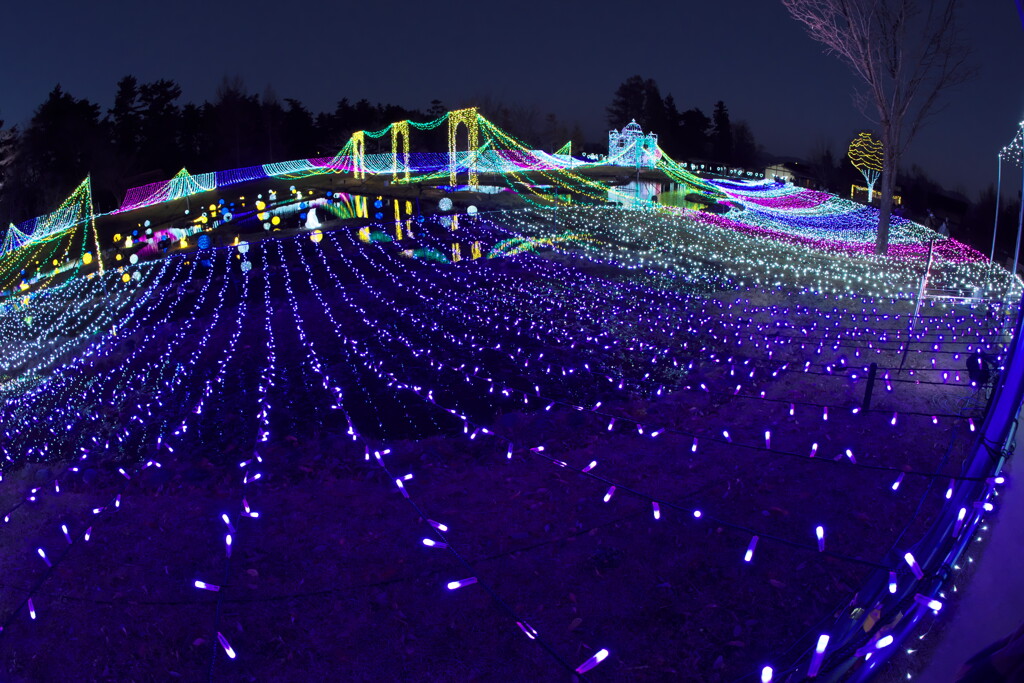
[566, 56]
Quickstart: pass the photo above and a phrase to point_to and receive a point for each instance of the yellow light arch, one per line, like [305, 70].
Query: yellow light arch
[400, 129]
[470, 118]
[359, 155]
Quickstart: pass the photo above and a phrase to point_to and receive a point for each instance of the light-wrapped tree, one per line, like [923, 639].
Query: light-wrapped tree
[866, 154]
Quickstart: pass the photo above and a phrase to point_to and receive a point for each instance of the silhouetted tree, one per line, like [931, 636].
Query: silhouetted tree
[9, 141]
[579, 140]
[745, 152]
[272, 120]
[126, 123]
[721, 139]
[436, 109]
[299, 131]
[638, 99]
[525, 122]
[555, 133]
[823, 166]
[668, 137]
[235, 120]
[160, 123]
[64, 142]
[693, 134]
[194, 135]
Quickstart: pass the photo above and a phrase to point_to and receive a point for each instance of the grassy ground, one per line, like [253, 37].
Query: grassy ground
[332, 581]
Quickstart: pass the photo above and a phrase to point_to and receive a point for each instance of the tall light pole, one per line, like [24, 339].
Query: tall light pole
[1020, 222]
[999, 188]
[1014, 153]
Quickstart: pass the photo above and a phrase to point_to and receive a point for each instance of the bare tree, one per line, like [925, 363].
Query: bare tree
[904, 55]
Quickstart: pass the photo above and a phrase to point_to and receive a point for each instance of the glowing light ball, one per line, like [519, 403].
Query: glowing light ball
[445, 204]
[260, 205]
[126, 277]
[204, 242]
[243, 247]
[471, 210]
[316, 236]
[133, 259]
[246, 266]
[276, 220]
[86, 258]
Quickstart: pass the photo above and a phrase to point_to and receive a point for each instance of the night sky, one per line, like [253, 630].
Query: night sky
[566, 57]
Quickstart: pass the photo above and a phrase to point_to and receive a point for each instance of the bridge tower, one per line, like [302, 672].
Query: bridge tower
[400, 129]
[469, 118]
[359, 155]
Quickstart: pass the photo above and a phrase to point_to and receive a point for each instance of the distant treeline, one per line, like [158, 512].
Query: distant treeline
[149, 135]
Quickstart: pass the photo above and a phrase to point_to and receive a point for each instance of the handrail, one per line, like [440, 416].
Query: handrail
[860, 638]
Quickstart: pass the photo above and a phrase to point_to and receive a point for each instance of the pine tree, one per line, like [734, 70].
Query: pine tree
[722, 140]
[160, 124]
[126, 119]
[627, 102]
[638, 99]
[693, 134]
[744, 148]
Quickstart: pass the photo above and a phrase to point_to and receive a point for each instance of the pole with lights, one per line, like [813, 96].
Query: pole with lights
[1013, 153]
[999, 188]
